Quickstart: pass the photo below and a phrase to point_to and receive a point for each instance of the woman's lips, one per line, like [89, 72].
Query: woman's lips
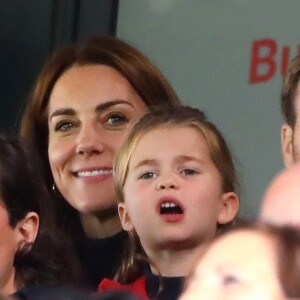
[93, 175]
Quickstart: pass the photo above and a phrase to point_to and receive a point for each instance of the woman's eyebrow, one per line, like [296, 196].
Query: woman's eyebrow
[99, 108]
[105, 105]
[63, 112]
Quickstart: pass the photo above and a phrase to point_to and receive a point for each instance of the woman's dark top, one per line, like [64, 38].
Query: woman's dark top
[101, 257]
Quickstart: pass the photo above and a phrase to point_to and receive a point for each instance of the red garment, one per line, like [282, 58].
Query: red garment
[137, 287]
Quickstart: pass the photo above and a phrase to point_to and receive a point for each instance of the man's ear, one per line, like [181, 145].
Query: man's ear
[124, 217]
[229, 207]
[28, 229]
[287, 145]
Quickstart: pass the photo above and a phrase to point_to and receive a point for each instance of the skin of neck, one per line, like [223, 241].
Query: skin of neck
[98, 226]
[174, 262]
[10, 285]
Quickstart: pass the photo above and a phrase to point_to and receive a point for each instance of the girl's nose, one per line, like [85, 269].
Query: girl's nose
[167, 186]
[168, 181]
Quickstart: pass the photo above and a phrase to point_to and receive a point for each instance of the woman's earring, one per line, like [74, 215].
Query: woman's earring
[56, 191]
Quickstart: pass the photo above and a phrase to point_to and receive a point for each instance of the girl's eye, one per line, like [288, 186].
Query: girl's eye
[116, 119]
[147, 175]
[63, 126]
[189, 172]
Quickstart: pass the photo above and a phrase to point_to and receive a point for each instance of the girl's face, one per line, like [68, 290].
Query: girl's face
[91, 110]
[8, 249]
[239, 266]
[173, 195]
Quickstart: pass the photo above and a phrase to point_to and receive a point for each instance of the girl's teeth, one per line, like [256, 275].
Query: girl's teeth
[168, 204]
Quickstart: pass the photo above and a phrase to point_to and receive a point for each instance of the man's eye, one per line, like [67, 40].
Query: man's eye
[147, 175]
[117, 119]
[189, 172]
[63, 126]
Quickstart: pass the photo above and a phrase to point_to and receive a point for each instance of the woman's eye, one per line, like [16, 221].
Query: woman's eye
[189, 172]
[63, 126]
[147, 175]
[230, 279]
[116, 119]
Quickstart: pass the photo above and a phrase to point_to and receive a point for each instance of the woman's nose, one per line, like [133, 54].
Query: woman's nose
[87, 149]
[89, 142]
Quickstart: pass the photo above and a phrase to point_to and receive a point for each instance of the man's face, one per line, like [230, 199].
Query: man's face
[290, 137]
[281, 203]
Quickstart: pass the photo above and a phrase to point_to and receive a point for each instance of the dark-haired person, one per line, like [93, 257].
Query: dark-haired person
[86, 99]
[31, 250]
[290, 105]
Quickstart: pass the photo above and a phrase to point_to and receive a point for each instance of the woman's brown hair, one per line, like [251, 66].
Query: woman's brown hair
[141, 73]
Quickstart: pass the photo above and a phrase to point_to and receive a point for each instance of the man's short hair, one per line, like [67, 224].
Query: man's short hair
[288, 91]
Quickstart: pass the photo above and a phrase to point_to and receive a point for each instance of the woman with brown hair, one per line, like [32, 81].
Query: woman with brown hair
[84, 103]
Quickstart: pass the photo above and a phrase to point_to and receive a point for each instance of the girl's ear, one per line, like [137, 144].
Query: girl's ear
[124, 217]
[229, 207]
[27, 229]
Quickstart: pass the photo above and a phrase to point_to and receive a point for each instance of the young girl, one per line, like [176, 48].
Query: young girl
[176, 186]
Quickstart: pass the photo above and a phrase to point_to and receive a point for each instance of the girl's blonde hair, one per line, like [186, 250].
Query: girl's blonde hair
[179, 116]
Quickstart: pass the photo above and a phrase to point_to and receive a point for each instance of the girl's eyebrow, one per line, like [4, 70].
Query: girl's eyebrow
[99, 108]
[178, 159]
[146, 162]
[186, 158]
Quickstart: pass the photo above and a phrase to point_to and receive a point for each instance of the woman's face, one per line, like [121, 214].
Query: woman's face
[8, 249]
[91, 110]
[239, 266]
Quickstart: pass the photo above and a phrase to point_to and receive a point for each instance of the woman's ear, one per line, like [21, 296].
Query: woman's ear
[28, 229]
[229, 207]
[124, 217]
